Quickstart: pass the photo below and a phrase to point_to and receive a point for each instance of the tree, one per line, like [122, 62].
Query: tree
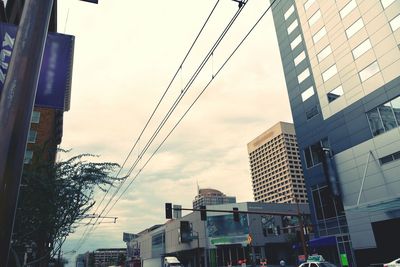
[53, 198]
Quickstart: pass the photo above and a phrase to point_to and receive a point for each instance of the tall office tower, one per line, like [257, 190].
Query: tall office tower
[341, 61]
[208, 196]
[275, 166]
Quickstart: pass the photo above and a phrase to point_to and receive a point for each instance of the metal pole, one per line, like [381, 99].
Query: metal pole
[301, 225]
[16, 106]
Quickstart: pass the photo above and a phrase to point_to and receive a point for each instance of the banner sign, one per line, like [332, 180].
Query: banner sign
[223, 230]
[54, 87]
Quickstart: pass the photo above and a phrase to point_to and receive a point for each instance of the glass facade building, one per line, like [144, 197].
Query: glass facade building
[341, 60]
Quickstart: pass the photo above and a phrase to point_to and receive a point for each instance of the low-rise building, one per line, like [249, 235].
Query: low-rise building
[268, 231]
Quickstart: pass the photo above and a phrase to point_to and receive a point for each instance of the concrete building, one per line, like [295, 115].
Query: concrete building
[275, 166]
[109, 256]
[208, 196]
[220, 239]
[341, 61]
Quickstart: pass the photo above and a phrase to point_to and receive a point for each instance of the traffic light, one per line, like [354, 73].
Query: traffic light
[185, 231]
[168, 210]
[203, 213]
[236, 215]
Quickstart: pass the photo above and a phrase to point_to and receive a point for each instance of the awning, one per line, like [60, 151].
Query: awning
[318, 242]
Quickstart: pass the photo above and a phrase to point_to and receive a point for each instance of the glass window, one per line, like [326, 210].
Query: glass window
[396, 108]
[386, 3]
[307, 155]
[329, 73]
[314, 18]
[317, 204]
[299, 58]
[387, 116]
[307, 93]
[375, 122]
[292, 26]
[316, 153]
[347, 9]
[361, 49]
[369, 71]
[35, 117]
[324, 53]
[28, 156]
[32, 136]
[289, 12]
[386, 159]
[308, 4]
[302, 76]
[395, 23]
[295, 42]
[312, 112]
[354, 28]
[318, 36]
[335, 94]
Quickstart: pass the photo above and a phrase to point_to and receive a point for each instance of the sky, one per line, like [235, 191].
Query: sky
[126, 53]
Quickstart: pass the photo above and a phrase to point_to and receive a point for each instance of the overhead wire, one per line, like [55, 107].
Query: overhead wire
[196, 99]
[157, 106]
[177, 101]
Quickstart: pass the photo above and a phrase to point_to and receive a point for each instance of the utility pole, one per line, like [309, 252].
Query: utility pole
[301, 225]
[16, 106]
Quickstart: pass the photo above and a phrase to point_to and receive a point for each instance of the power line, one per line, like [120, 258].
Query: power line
[199, 95]
[177, 101]
[156, 108]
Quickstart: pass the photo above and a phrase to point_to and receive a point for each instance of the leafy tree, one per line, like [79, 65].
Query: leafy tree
[53, 198]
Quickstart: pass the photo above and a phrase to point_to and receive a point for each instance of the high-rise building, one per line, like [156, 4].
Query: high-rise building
[208, 196]
[276, 172]
[341, 61]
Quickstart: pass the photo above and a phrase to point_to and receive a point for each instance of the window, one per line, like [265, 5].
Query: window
[289, 12]
[324, 53]
[347, 8]
[335, 94]
[32, 136]
[307, 93]
[318, 36]
[390, 158]
[35, 117]
[325, 205]
[299, 58]
[302, 76]
[354, 28]
[308, 4]
[295, 42]
[312, 112]
[314, 18]
[386, 3]
[28, 156]
[329, 73]
[292, 26]
[384, 117]
[361, 49]
[313, 153]
[395, 23]
[369, 71]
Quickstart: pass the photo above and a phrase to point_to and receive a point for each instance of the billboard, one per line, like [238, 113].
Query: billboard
[55, 77]
[223, 230]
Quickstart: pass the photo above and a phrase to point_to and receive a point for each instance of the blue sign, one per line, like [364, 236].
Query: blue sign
[54, 85]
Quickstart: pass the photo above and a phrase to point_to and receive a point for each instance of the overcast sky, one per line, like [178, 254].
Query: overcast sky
[126, 53]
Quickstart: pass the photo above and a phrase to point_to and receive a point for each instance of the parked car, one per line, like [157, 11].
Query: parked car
[395, 263]
[316, 261]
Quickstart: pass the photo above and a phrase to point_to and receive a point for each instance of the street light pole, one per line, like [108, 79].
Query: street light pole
[16, 106]
[301, 225]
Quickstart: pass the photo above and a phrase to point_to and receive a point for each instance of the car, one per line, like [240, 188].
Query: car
[395, 263]
[316, 261]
